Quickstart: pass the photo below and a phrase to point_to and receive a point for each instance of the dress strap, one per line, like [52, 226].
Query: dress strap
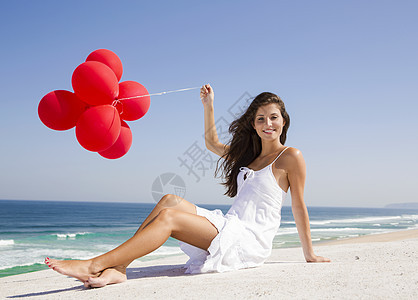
[279, 155]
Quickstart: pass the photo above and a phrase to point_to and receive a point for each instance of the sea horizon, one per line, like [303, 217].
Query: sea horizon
[386, 206]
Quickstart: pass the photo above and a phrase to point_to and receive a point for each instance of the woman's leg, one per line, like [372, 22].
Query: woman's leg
[118, 274]
[184, 226]
[169, 201]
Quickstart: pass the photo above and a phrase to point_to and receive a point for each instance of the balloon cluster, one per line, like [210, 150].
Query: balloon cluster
[99, 106]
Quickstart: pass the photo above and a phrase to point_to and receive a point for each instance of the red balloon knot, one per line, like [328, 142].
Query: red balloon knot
[118, 105]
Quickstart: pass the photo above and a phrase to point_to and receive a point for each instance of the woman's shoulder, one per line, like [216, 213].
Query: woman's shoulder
[292, 156]
[292, 152]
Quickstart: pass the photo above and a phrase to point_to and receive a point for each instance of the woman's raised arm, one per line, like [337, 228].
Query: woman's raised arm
[211, 136]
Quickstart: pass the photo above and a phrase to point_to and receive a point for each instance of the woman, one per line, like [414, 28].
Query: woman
[258, 170]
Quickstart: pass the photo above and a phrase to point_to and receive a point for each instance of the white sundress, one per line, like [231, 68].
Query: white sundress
[246, 231]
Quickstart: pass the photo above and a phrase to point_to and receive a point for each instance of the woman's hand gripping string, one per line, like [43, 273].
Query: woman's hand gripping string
[207, 95]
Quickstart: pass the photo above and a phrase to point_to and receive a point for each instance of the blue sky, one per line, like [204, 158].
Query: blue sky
[347, 71]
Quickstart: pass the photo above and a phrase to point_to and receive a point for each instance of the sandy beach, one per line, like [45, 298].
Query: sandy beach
[369, 267]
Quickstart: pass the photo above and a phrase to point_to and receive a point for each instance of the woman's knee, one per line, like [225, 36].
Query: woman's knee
[166, 215]
[170, 200]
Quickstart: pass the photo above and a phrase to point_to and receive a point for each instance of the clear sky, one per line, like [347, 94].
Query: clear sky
[347, 71]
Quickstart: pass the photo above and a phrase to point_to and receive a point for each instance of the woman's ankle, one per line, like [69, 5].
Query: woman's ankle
[95, 266]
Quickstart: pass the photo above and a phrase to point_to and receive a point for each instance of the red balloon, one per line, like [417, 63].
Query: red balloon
[98, 128]
[95, 83]
[108, 58]
[136, 108]
[122, 144]
[60, 110]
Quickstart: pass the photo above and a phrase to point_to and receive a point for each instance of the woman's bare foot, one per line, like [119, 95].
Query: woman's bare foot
[79, 269]
[108, 276]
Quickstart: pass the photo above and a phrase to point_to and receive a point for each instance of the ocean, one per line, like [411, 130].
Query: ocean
[33, 230]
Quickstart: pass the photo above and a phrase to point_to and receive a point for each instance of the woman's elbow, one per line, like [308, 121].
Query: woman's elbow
[209, 144]
[217, 148]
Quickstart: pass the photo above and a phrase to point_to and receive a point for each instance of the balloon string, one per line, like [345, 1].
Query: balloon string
[161, 93]
[117, 102]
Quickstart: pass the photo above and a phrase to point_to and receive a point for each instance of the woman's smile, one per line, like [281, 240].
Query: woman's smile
[269, 131]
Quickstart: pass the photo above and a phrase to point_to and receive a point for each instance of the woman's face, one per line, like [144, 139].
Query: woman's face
[269, 122]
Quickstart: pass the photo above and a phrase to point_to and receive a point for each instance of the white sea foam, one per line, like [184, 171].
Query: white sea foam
[359, 220]
[2, 267]
[347, 229]
[289, 230]
[288, 222]
[71, 236]
[347, 236]
[28, 257]
[36, 255]
[413, 217]
[279, 243]
[293, 230]
[27, 254]
[7, 242]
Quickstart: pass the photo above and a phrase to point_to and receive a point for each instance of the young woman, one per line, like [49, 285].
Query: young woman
[258, 171]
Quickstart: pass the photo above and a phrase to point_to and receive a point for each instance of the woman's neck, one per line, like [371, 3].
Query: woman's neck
[270, 147]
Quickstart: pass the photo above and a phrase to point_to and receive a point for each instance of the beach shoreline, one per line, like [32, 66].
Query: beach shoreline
[367, 267]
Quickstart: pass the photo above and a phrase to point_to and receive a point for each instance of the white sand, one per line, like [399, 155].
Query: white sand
[372, 267]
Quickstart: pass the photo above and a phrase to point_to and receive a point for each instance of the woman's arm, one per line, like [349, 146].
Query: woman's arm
[296, 176]
[211, 136]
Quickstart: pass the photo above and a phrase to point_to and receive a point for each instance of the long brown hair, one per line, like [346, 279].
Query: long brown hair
[245, 144]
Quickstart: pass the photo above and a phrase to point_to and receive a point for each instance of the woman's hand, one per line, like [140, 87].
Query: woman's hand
[207, 95]
[316, 259]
